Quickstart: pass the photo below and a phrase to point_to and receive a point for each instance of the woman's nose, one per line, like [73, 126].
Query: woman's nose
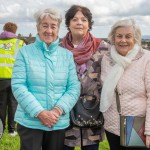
[123, 39]
[79, 22]
[49, 29]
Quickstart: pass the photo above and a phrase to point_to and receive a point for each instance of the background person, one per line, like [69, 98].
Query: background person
[127, 68]
[45, 85]
[87, 51]
[9, 47]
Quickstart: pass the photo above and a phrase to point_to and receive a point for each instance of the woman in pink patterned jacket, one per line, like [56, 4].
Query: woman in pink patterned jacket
[126, 68]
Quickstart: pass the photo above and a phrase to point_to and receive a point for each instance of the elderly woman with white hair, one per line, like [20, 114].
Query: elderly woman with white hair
[45, 85]
[125, 68]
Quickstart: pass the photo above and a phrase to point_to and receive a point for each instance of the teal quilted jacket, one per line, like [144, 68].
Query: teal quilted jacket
[44, 77]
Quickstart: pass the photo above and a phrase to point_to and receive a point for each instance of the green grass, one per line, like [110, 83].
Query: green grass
[8, 142]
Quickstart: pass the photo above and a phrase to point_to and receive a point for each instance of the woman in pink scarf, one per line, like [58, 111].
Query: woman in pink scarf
[88, 52]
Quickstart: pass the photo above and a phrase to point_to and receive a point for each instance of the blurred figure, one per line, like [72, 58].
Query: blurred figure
[45, 85]
[9, 47]
[126, 68]
[88, 52]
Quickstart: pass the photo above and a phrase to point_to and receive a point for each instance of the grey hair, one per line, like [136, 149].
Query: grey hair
[52, 13]
[126, 23]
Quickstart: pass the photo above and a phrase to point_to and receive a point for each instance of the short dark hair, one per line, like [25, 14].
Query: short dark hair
[10, 27]
[73, 10]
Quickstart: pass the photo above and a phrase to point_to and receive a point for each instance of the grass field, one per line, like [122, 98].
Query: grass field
[8, 142]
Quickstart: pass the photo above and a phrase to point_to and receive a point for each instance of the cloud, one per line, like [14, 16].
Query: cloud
[105, 12]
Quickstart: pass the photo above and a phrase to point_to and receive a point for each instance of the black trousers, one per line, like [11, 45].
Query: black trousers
[35, 139]
[8, 105]
[114, 143]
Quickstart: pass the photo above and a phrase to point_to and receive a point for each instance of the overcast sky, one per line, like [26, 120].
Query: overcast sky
[105, 13]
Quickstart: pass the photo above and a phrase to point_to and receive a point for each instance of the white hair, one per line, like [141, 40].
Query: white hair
[52, 13]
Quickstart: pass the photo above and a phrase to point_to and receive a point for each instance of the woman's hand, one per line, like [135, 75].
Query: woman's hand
[148, 141]
[48, 118]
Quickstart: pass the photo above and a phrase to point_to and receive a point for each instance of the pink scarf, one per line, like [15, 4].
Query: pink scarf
[83, 52]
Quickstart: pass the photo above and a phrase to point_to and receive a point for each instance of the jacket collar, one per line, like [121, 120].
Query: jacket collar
[139, 54]
[7, 35]
[42, 45]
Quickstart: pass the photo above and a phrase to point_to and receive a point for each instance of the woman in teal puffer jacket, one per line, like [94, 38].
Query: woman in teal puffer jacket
[45, 85]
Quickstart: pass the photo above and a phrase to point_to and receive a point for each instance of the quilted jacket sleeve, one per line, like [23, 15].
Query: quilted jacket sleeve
[147, 85]
[25, 98]
[70, 97]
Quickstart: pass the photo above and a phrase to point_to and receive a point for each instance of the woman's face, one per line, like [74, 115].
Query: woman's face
[48, 30]
[124, 40]
[79, 25]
